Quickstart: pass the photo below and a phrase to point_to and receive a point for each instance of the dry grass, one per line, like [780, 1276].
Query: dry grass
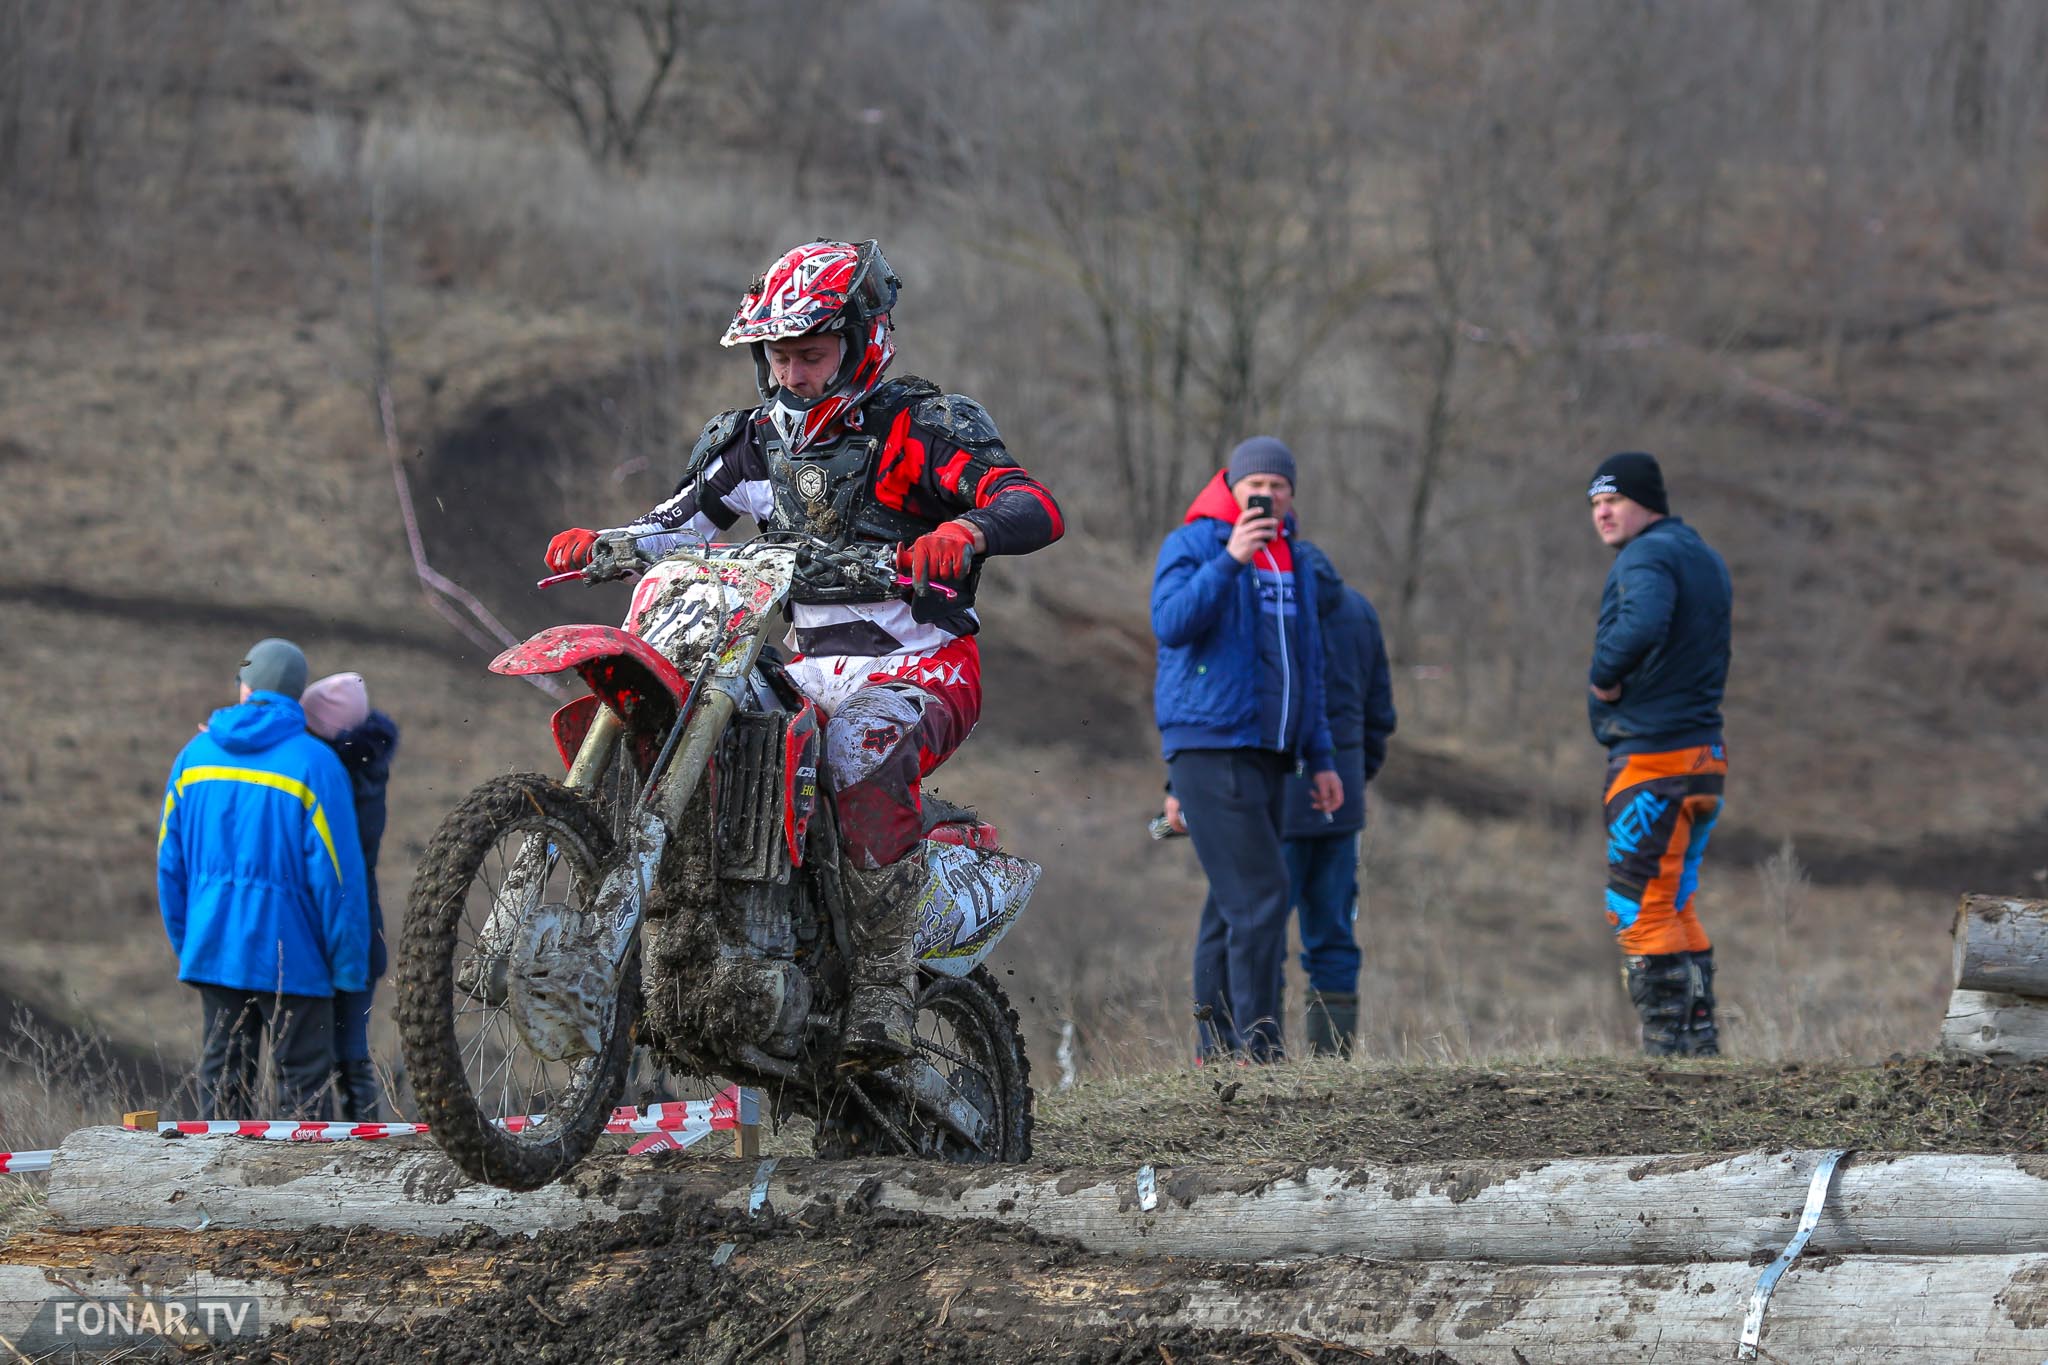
[1482, 941]
[531, 216]
[54, 1079]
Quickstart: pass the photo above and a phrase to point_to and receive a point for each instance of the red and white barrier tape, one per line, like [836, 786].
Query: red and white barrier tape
[681, 1121]
[284, 1130]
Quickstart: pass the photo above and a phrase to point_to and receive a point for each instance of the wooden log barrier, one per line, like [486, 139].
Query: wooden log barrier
[1588, 1211]
[2002, 945]
[1875, 1310]
[1996, 1026]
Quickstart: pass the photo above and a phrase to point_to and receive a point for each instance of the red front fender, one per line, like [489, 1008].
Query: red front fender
[630, 674]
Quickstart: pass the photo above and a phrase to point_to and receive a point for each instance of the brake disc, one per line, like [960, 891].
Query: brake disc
[559, 986]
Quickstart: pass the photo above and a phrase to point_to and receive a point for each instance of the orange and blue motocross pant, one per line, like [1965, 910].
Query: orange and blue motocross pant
[1661, 808]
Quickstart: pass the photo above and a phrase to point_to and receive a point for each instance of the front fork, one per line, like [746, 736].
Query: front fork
[622, 900]
[617, 908]
[484, 972]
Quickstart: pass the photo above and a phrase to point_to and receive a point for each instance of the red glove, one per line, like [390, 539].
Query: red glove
[943, 555]
[571, 550]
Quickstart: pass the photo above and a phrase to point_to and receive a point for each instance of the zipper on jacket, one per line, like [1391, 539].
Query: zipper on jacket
[1286, 665]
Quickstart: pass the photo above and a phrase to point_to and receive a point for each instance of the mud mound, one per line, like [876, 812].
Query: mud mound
[1332, 1112]
[831, 1285]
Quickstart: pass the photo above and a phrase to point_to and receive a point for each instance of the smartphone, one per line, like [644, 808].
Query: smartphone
[1259, 504]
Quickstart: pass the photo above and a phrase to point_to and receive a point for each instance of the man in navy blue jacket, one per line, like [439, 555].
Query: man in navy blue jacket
[1239, 702]
[260, 879]
[1660, 664]
[1322, 846]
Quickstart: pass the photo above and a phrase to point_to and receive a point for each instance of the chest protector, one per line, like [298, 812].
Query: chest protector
[828, 491]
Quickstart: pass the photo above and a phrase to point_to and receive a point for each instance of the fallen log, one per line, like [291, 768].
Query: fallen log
[1878, 1310]
[2002, 945]
[1608, 1210]
[1996, 1026]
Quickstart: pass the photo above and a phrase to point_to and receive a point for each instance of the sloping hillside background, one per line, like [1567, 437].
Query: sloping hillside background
[1454, 256]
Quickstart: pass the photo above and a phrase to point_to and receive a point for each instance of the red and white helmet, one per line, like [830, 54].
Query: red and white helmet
[821, 286]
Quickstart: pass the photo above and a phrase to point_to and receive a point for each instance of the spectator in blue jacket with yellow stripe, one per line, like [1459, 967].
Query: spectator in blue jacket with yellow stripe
[260, 879]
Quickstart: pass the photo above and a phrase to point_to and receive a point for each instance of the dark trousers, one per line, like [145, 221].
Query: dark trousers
[1233, 800]
[1323, 871]
[357, 1086]
[300, 1029]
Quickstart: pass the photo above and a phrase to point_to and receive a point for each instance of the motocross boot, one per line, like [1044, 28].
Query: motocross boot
[1332, 1022]
[884, 911]
[1670, 994]
[1702, 1037]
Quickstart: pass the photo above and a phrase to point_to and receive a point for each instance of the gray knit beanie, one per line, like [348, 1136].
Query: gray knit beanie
[1260, 455]
[275, 665]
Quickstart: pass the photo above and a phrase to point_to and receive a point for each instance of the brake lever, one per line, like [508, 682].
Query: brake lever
[556, 579]
[904, 580]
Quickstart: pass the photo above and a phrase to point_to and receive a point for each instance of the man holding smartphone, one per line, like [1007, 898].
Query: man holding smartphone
[1239, 702]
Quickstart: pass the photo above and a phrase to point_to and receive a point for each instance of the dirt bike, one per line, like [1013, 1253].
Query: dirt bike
[681, 889]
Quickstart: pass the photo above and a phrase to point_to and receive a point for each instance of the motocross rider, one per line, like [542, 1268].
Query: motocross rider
[837, 451]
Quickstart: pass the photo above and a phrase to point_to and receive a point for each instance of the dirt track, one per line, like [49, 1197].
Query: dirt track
[852, 1283]
[1330, 1112]
[839, 1286]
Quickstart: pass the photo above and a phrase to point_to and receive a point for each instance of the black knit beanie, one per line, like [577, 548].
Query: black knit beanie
[1633, 474]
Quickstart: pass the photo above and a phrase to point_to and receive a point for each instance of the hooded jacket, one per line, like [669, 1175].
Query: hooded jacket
[1664, 637]
[1239, 665]
[365, 752]
[1358, 685]
[259, 872]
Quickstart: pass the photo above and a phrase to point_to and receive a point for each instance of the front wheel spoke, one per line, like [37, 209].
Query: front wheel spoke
[473, 1050]
[502, 1073]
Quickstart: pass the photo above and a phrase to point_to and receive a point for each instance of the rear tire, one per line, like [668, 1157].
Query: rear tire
[966, 1028]
[468, 1064]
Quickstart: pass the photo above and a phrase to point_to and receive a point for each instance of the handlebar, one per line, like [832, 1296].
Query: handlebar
[618, 556]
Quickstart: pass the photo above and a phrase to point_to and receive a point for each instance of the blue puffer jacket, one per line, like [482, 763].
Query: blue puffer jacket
[1239, 666]
[366, 753]
[1360, 690]
[258, 870]
[1664, 637]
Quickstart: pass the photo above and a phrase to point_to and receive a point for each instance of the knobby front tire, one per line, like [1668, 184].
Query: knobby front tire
[468, 1063]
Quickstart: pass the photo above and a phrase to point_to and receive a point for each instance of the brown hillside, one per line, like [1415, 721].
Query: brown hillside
[190, 458]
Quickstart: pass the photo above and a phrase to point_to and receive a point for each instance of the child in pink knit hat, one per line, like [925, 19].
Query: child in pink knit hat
[338, 711]
[338, 702]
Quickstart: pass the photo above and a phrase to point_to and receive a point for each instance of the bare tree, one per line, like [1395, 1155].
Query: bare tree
[602, 64]
[1215, 242]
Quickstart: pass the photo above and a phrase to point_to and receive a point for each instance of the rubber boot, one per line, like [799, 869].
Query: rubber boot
[1663, 987]
[885, 907]
[355, 1084]
[1332, 1022]
[1702, 1037]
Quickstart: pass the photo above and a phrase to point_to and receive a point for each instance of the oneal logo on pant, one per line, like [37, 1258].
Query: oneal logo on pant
[72, 1322]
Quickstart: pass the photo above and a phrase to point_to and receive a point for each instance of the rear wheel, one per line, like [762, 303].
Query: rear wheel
[968, 1032]
[505, 1113]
